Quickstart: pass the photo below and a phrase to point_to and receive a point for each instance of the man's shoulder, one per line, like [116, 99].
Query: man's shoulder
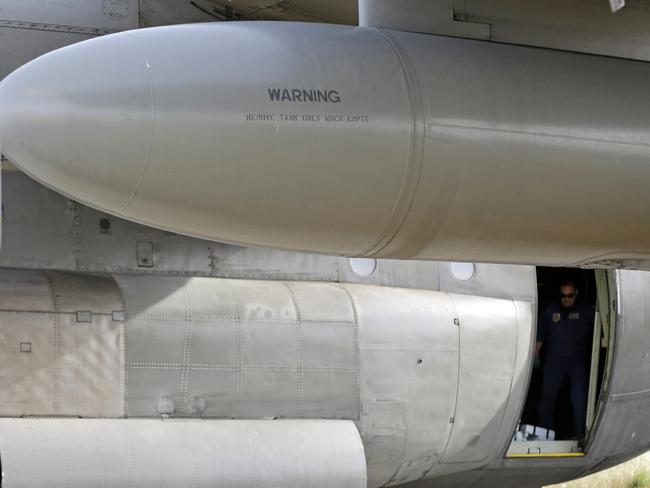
[550, 315]
[587, 311]
[587, 307]
[552, 308]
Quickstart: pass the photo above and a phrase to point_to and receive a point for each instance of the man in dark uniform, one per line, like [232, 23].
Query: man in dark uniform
[565, 331]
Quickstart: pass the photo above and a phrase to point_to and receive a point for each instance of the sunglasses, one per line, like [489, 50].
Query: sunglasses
[568, 295]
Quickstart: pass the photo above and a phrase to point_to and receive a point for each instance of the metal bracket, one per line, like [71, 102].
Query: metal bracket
[68, 29]
[145, 254]
[118, 316]
[616, 5]
[84, 316]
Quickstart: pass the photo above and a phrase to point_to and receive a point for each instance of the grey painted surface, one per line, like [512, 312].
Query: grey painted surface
[401, 363]
[44, 230]
[178, 454]
[339, 12]
[248, 349]
[112, 15]
[76, 367]
[625, 422]
[30, 29]
[63, 351]
[588, 26]
[69, 384]
[456, 166]
[434, 381]
[488, 349]
[621, 428]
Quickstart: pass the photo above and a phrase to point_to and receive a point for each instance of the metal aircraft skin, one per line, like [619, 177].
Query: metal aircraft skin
[151, 356]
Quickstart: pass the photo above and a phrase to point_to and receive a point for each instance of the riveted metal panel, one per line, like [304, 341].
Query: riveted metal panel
[55, 364]
[147, 383]
[216, 386]
[492, 280]
[333, 346]
[330, 393]
[167, 298]
[103, 15]
[37, 225]
[409, 274]
[265, 302]
[409, 355]
[143, 335]
[272, 344]
[526, 317]
[84, 292]
[488, 348]
[244, 347]
[23, 291]
[393, 272]
[271, 392]
[116, 249]
[256, 263]
[26, 378]
[214, 342]
[89, 367]
[323, 302]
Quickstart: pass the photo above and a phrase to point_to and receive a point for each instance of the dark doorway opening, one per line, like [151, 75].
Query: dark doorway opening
[548, 290]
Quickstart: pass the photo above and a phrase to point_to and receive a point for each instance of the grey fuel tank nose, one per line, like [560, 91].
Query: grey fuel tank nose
[79, 119]
[283, 130]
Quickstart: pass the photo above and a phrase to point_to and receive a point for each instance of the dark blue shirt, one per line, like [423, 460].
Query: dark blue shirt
[566, 332]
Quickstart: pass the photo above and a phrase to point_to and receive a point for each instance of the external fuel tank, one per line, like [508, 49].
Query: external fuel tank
[150, 453]
[343, 140]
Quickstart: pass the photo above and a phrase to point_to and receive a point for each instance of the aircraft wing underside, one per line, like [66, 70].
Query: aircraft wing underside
[339, 12]
[614, 28]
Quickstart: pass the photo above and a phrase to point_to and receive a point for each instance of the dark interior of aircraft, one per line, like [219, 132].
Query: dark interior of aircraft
[548, 285]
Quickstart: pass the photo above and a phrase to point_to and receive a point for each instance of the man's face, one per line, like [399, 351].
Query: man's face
[568, 295]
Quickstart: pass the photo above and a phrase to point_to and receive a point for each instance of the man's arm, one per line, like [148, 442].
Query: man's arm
[537, 361]
[541, 336]
[541, 331]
